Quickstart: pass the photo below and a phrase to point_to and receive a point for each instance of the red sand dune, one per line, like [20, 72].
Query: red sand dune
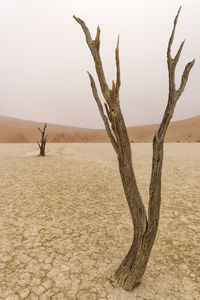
[13, 130]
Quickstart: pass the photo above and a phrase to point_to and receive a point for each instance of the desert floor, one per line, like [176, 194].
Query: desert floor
[65, 225]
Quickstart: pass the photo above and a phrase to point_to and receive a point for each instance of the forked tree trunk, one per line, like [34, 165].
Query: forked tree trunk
[43, 140]
[132, 268]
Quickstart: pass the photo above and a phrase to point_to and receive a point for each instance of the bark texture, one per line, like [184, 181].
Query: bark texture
[132, 268]
[43, 140]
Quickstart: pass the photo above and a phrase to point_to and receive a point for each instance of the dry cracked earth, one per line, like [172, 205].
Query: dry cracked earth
[65, 224]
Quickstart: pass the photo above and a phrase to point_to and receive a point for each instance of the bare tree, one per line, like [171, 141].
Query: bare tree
[43, 140]
[145, 224]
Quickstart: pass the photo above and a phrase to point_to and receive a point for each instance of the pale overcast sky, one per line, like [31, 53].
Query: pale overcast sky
[44, 58]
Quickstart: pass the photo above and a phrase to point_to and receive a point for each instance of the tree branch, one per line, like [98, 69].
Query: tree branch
[174, 95]
[172, 35]
[118, 81]
[40, 129]
[94, 49]
[185, 76]
[100, 107]
[176, 58]
[97, 39]
[85, 29]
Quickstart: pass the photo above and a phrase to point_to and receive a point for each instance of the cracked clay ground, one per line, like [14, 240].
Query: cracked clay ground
[65, 224]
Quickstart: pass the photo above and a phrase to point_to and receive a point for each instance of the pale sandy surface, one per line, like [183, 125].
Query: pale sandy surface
[65, 225]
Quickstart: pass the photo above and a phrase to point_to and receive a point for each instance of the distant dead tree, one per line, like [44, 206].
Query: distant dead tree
[43, 140]
[132, 268]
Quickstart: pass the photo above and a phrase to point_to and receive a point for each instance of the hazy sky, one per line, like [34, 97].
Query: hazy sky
[44, 58]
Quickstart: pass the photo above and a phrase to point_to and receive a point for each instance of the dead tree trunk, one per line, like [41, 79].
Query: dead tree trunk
[43, 140]
[132, 268]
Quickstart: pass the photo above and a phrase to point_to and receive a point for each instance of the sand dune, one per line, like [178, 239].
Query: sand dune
[13, 130]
